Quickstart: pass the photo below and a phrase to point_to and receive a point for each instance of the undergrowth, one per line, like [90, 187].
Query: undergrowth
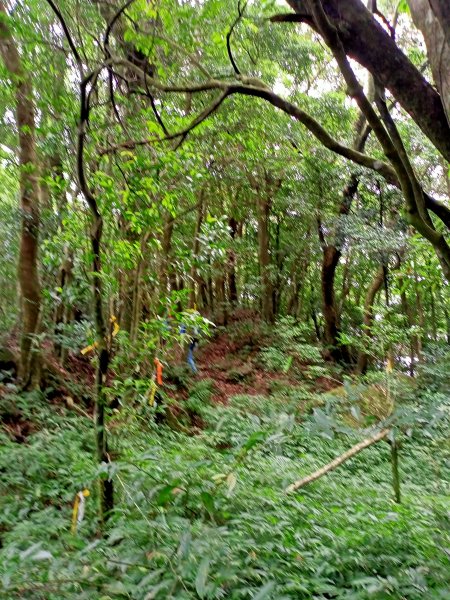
[206, 515]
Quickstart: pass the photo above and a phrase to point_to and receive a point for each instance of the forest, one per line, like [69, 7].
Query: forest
[224, 299]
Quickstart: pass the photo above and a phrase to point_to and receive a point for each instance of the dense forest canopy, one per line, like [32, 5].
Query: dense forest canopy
[270, 176]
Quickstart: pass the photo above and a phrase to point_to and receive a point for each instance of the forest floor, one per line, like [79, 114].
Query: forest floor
[201, 510]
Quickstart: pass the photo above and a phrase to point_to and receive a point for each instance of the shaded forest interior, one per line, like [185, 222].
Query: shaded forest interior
[224, 301]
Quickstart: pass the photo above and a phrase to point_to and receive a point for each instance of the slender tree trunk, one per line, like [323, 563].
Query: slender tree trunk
[221, 306]
[292, 308]
[433, 313]
[232, 286]
[127, 274]
[29, 191]
[209, 286]
[61, 312]
[373, 290]
[279, 262]
[346, 282]
[263, 211]
[165, 269]
[330, 261]
[420, 317]
[406, 308]
[195, 278]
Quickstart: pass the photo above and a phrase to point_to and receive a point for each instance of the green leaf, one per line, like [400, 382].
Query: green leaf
[202, 576]
[254, 439]
[403, 7]
[165, 494]
[264, 591]
[208, 502]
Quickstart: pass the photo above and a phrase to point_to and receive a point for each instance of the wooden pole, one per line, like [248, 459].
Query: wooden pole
[338, 461]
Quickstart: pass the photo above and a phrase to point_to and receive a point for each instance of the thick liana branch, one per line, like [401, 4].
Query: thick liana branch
[256, 88]
[406, 180]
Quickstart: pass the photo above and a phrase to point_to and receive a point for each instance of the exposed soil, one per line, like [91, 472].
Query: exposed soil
[221, 360]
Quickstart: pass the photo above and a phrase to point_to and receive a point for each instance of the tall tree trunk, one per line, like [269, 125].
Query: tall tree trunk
[330, 261]
[136, 312]
[29, 190]
[279, 262]
[346, 282]
[221, 306]
[332, 252]
[166, 271]
[420, 316]
[63, 310]
[293, 303]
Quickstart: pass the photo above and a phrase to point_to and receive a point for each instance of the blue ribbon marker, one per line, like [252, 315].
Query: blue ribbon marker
[190, 357]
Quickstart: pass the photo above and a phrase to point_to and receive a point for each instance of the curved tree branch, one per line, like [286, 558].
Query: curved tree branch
[241, 10]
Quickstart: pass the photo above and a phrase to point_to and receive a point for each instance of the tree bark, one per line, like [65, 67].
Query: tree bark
[63, 309]
[432, 17]
[29, 191]
[165, 269]
[330, 261]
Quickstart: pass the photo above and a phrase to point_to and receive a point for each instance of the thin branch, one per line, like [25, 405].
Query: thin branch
[174, 44]
[108, 31]
[266, 94]
[209, 110]
[260, 91]
[113, 22]
[68, 36]
[241, 10]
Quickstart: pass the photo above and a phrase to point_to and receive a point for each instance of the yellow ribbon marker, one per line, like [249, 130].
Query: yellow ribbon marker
[116, 327]
[389, 365]
[89, 348]
[78, 510]
[152, 392]
[115, 331]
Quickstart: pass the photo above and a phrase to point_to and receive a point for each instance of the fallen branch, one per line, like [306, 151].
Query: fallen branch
[338, 461]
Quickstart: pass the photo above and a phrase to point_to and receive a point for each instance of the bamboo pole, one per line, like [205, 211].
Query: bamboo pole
[338, 461]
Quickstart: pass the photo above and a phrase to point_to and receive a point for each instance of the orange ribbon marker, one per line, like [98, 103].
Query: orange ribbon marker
[159, 371]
